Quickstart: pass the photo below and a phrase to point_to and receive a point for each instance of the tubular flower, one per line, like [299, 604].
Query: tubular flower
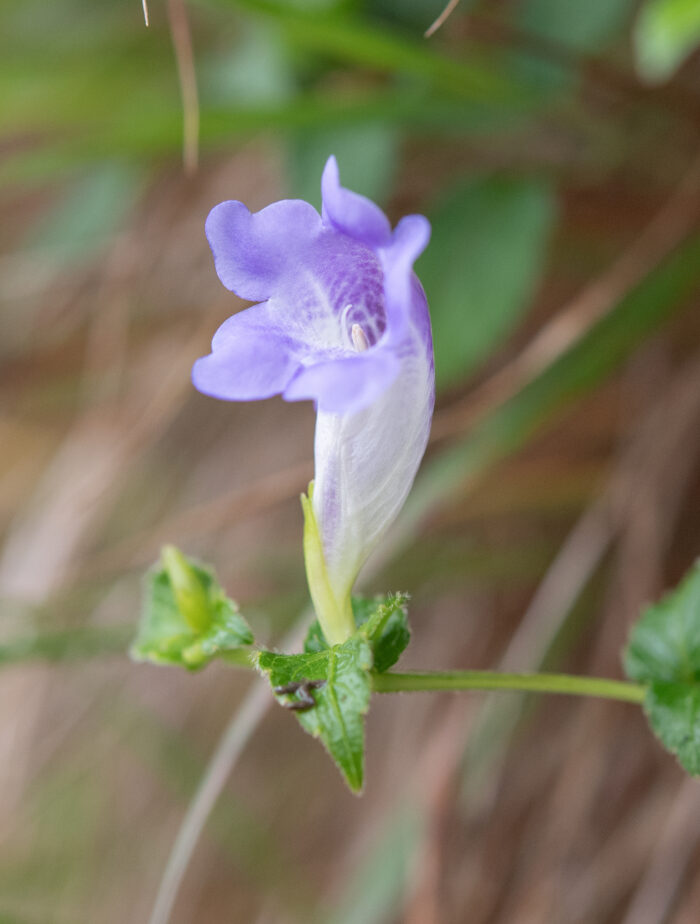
[341, 320]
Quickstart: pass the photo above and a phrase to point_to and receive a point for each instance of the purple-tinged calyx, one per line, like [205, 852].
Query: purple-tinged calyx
[341, 320]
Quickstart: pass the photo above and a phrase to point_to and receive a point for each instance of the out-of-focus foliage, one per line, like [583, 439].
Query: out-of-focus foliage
[667, 32]
[488, 249]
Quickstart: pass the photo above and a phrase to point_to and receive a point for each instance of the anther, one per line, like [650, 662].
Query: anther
[359, 338]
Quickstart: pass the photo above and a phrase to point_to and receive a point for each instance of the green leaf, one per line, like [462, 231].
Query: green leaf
[665, 642]
[336, 683]
[673, 710]
[382, 621]
[667, 32]
[664, 652]
[176, 630]
[487, 252]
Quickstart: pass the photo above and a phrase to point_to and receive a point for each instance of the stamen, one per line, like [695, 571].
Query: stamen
[359, 338]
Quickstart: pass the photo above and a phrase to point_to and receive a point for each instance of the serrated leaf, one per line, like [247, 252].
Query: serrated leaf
[337, 681]
[664, 652]
[166, 636]
[383, 621]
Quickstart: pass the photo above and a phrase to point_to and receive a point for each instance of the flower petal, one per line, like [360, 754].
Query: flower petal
[365, 464]
[345, 386]
[255, 252]
[408, 242]
[350, 212]
[253, 357]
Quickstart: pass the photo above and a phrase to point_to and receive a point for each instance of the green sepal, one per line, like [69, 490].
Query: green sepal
[382, 621]
[340, 702]
[663, 652]
[171, 633]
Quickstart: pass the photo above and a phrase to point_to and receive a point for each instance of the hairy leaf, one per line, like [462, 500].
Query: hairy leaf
[329, 690]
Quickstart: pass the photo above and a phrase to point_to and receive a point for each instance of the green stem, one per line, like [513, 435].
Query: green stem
[493, 680]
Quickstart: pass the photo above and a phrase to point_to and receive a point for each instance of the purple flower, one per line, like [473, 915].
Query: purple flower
[341, 319]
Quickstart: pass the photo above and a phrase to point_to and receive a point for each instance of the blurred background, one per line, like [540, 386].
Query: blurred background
[554, 145]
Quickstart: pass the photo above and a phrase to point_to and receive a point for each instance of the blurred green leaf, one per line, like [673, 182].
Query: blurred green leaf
[337, 681]
[667, 31]
[572, 24]
[568, 26]
[664, 652]
[487, 251]
[90, 211]
[361, 42]
[156, 129]
[256, 70]
[367, 155]
[382, 621]
[170, 634]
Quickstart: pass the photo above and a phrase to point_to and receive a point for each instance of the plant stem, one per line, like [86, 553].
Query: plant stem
[493, 680]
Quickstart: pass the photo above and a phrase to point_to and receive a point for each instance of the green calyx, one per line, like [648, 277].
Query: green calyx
[186, 617]
[335, 616]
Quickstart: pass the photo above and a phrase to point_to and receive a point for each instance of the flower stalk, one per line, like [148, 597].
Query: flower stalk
[437, 681]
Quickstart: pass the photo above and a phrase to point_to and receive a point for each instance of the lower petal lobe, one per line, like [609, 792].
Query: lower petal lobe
[252, 358]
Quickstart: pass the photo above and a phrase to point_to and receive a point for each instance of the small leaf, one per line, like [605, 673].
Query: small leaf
[337, 680]
[383, 621]
[664, 652]
[187, 619]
